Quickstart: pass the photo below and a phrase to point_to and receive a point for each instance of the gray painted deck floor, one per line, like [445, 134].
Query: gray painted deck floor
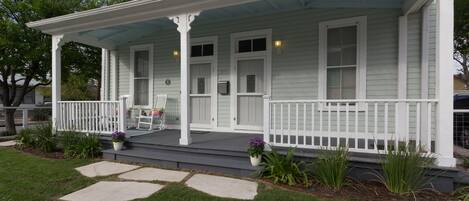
[200, 139]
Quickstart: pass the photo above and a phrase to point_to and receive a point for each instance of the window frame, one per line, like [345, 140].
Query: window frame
[133, 49]
[361, 23]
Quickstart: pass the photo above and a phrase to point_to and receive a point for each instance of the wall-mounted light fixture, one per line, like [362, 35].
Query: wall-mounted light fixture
[278, 44]
[176, 53]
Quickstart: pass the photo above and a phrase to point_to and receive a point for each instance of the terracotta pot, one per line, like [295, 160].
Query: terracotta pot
[118, 145]
[255, 161]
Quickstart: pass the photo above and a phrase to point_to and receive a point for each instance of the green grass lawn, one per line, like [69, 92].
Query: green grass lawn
[24, 177]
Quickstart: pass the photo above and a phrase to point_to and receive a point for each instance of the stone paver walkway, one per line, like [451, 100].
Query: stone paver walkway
[8, 143]
[114, 191]
[154, 174]
[121, 191]
[223, 186]
[105, 168]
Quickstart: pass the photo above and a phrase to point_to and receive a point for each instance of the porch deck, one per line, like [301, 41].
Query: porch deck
[200, 139]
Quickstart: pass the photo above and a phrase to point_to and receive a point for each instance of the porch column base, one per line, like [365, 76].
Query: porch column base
[185, 141]
[446, 161]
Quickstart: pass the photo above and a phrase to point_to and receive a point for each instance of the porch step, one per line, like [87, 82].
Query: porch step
[186, 158]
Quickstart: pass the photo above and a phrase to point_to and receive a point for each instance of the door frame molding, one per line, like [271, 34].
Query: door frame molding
[235, 57]
[213, 60]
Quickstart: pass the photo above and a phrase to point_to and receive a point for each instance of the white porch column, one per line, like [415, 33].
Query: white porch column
[183, 22]
[57, 42]
[104, 90]
[402, 77]
[444, 63]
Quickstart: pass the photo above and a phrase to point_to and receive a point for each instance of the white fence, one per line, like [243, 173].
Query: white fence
[91, 116]
[25, 112]
[369, 126]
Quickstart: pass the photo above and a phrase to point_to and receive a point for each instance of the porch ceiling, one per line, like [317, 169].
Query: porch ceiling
[112, 36]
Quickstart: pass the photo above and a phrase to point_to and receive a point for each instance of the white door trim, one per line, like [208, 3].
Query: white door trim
[213, 60]
[235, 57]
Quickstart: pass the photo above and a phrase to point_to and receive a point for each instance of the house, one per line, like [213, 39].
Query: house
[368, 74]
[31, 98]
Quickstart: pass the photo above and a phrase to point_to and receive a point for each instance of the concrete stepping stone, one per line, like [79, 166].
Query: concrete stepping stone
[154, 174]
[223, 186]
[114, 191]
[8, 143]
[105, 168]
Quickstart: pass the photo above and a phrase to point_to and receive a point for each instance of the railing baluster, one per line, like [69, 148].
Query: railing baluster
[366, 126]
[429, 128]
[296, 126]
[304, 124]
[407, 126]
[347, 108]
[320, 106]
[386, 107]
[329, 125]
[355, 138]
[289, 123]
[281, 123]
[417, 125]
[396, 126]
[312, 124]
[375, 140]
[275, 123]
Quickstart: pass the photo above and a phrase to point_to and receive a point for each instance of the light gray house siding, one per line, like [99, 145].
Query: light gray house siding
[295, 66]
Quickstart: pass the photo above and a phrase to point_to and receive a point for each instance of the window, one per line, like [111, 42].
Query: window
[142, 65]
[201, 85]
[252, 45]
[202, 50]
[343, 59]
[251, 83]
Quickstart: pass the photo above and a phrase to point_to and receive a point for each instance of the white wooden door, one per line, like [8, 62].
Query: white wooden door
[250, 89]
[201, 95]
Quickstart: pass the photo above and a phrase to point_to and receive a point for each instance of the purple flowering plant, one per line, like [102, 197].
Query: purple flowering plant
[118, 136]
[256, 147]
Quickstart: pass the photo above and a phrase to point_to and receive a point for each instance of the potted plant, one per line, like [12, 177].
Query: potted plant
[256, 149]
[118, 139]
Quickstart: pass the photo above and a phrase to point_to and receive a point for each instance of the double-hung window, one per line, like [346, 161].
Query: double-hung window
[142, 75]
[342, 59]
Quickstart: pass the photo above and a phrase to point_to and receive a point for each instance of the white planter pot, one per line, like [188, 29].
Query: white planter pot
[255, 161]
[118, 145]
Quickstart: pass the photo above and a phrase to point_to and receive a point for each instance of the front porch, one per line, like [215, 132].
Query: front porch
[307, 74]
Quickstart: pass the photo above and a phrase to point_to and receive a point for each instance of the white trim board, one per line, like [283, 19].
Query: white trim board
[361, 22]
[213, 60]
[234, 57]
[133, 49]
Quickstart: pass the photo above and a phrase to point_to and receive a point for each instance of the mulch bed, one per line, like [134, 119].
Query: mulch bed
[36, 152]
[363, 191]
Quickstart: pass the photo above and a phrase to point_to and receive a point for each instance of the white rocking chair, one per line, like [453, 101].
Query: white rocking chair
[150, 119]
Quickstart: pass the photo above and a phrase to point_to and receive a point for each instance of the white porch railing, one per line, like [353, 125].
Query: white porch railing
[102, 117]
[370, 126]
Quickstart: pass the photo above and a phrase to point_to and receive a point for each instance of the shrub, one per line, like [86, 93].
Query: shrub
[283, 169]
[331, 167]
[256, 147]
[39, 137]
[462, 193]
[404, 171]
[79, 145]
[465, 163]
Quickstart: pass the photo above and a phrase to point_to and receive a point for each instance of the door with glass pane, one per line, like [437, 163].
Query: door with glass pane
[201, 95]
[250, 89]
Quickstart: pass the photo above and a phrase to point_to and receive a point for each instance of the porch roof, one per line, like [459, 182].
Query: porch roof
[111, 26]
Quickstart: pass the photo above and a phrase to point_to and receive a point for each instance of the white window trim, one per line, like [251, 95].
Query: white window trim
[361, 23]
[133, 49]
[213, 60]
[235, 56]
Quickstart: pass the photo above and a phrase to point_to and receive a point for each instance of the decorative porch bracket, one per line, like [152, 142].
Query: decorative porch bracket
[57, 42]
[183, 22]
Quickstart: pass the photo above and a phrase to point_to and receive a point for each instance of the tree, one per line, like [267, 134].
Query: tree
[461, 37]
[25, 54]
